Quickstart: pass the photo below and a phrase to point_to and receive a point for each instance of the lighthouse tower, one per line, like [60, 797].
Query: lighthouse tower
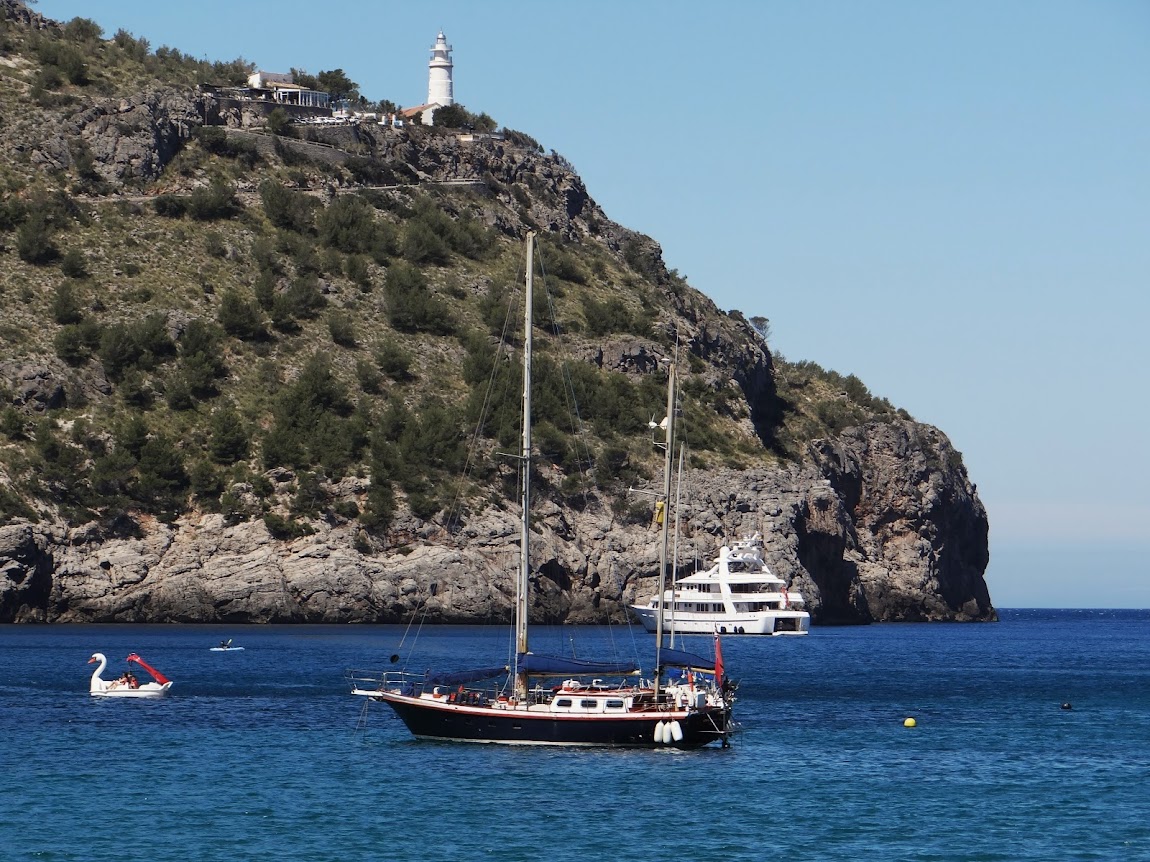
[439, 87]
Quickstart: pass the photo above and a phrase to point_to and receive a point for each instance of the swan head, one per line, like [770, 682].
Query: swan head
[97, 656]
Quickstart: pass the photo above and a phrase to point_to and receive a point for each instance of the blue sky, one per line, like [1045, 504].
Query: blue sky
[950, 200]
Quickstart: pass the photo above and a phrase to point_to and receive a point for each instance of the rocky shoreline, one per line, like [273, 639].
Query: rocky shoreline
[883, 525]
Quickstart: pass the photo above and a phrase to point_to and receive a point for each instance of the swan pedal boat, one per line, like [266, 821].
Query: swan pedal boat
[101, 687]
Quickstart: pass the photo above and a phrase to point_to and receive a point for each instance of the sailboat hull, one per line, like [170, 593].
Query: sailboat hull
[432, 720]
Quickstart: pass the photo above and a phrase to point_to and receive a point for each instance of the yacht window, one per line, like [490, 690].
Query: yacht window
[614, 704]
[563, 701]
[589, 704]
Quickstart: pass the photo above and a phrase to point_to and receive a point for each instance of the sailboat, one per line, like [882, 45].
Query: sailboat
[690, 710]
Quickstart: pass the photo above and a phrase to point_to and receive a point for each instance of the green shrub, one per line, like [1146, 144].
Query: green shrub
[178, 394]
[368, 376]
[136, 48]
[348, 224]
[163, 482]
[522, 139]
[310, 496]
[73, 264]
[606, 317]
[393, 360]
[228, 437]
[241, 318]
[75, 342]
[357, 271]
[13, 424]
[63, 59]
[278, 121]
[214, 245]
[287, 209]
[312, 422]
[118, 350]
[34, 240]
[201, 358]
[215, 139]
[206, 484]
[66, 307]
[411, 306]
[303, 298]
[83, 30]
[217, 201]
[380, 509]
[170, 206]
[342, 329]
[424, 505]
[285, 528]
[422, 245]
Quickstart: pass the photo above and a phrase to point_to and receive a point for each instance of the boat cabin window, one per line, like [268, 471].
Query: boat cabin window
[614, 704]
[563, 701]
[589, 704]
[750, 588]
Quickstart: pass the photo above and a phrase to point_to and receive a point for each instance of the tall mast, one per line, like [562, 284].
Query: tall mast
[675, 544]
[668, 458]
[525, 466]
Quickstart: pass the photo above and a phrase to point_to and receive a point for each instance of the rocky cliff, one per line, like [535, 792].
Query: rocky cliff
[877, 526]
[872, 516]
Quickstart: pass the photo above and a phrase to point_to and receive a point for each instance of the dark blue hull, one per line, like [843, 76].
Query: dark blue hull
[431, 720]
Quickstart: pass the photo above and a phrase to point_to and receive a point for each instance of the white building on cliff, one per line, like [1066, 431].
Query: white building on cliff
[440, 89]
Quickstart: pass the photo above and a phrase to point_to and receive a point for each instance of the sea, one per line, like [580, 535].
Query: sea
[1031, 741]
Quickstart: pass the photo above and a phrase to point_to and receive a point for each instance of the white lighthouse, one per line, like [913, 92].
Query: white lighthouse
[440, 92]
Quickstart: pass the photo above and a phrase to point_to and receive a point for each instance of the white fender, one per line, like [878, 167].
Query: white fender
[660, 729]
[675, 730]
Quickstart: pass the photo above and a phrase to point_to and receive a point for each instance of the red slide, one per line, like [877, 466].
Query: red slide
[156, 675]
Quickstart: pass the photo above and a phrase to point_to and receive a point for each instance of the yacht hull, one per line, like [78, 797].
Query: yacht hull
[433, 720]
[776, 623]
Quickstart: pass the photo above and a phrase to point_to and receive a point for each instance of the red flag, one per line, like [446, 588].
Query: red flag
[718, 660]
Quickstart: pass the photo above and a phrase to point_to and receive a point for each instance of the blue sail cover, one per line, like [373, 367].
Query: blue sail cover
[463, 677]
[546, 665]
[678, 658]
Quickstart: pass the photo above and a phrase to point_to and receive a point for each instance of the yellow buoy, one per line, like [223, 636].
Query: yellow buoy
[910, 722]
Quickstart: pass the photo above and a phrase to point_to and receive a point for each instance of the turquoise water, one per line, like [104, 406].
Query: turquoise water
[262, 754]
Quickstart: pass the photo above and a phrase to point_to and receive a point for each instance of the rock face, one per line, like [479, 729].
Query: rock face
[883, 524]
[918, 547]
[878, 523]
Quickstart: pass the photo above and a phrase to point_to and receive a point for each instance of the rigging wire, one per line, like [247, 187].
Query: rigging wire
[475, 444]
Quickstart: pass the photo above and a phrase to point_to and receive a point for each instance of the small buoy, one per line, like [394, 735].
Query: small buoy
[909, 722]
[1067, 705]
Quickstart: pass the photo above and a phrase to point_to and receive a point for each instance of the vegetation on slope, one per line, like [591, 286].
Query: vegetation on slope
[263, 335]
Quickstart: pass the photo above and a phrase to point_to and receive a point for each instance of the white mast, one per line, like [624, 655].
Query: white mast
[675, 544]
[668, 459]
[525, 466]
